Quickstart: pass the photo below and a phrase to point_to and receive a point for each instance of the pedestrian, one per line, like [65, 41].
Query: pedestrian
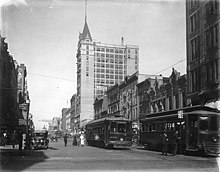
[13, 139]
[4, 138]
[74, 140]
[81, 140]
[20, 140]
[164, 143]
[65, 139]
[175, 139]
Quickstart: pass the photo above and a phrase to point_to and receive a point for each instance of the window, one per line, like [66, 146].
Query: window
[121, 128]
[192, 3]
[203, 125]
[113, 127]
[194, 21]
[213, 123]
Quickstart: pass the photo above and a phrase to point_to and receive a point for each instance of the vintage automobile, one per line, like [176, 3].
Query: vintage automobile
[40, 139]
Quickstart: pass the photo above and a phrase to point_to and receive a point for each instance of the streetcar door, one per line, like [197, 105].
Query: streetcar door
[192, 131]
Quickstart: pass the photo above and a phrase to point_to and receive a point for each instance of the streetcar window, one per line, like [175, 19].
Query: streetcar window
[113, 126]
[121, 128]
[203, 125]
[128, 127]
[152, 127]
[213, 123]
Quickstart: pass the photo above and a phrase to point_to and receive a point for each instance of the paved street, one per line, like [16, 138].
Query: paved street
[70, 158]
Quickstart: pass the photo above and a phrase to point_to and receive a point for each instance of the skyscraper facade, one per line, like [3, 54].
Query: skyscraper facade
[203, 52]
[100, 66]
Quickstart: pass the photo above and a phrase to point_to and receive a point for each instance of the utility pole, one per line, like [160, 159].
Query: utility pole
[27, 146]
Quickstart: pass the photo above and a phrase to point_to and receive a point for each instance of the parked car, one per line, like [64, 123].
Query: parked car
[40, 139]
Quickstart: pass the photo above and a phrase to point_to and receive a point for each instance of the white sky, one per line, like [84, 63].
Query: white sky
[43, 35]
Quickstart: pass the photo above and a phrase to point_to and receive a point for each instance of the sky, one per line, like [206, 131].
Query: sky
[43, 35]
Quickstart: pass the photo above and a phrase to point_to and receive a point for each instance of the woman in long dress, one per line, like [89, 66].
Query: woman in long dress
[81, 140]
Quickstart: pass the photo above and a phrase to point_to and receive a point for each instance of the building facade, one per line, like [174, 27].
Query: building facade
[203, 52]
[63, 119]
[164, 94]
[74, 125]
[100, 66]
[101, 107]
[113, 100]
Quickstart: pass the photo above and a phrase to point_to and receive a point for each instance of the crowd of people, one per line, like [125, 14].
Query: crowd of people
[11, 138]
[78, 140]
[15, 138]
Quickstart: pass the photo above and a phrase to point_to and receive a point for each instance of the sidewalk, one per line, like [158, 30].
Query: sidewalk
[7, 150]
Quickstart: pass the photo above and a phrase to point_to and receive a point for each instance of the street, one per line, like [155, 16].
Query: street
[73, 158]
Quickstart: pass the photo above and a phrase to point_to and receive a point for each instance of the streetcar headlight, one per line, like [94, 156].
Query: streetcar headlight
[214, 139]
[121, 139]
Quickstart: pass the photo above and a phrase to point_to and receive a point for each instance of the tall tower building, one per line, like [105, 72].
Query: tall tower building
[203, 52]
[100, 66]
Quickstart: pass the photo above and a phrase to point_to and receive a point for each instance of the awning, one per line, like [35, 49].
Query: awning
[214, 104]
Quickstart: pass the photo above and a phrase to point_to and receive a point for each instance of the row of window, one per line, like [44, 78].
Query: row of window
[111, 50]
[212, 7]
[108, 71]
[107, 76]
[211, 40]
[109, 61]
[195, 47]
[163, 126]
[211, 36]
[209, 72]
[194, 21]
[103, 65]
[109, 55]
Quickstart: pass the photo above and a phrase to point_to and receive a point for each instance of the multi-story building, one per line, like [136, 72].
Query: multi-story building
[101, 107]
[73, 124]
[56, 123]
[63, 119]
[129, 100]
[113, 100]
[203, 52]
[100, 66]
[22, 93]
[9, 102]
[164, 94]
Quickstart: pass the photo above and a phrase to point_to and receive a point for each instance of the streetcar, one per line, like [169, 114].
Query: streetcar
[198, 128]
[109, 132]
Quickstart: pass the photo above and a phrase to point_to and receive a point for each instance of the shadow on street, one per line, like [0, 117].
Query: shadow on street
[52, 148]
[15, 160]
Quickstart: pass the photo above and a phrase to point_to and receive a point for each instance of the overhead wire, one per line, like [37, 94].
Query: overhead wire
[170, 66]
[66, 79]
